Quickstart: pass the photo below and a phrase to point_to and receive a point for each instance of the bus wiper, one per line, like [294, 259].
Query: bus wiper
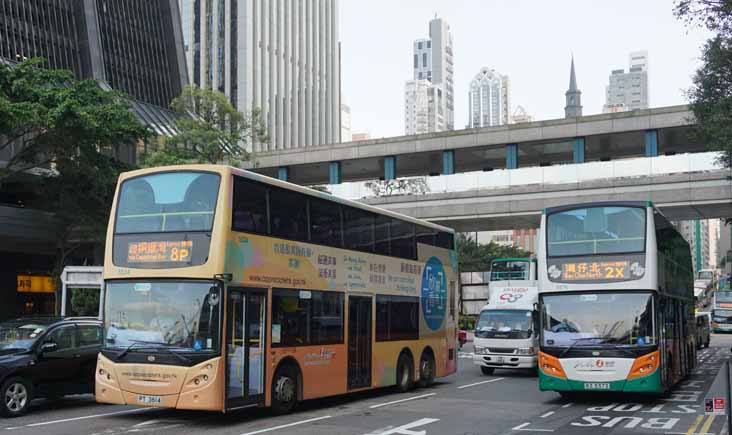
[165, 346]
[577, 340]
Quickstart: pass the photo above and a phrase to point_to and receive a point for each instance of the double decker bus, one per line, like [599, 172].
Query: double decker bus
[226, 289]
[616, 297]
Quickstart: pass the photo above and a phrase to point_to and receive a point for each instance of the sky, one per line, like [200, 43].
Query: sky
[531, 41]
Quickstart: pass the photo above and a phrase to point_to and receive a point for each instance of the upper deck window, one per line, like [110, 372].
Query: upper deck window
[167, 202]
[596, 230]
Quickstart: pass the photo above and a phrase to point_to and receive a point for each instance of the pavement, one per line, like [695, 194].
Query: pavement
[467, 403]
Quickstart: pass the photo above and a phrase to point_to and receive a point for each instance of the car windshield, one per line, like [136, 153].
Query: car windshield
[507, 270]
[596, 230]
[596, 319]
[168, 202]
[705, 274]
[19, 335]
[504, 324]
[184, 315]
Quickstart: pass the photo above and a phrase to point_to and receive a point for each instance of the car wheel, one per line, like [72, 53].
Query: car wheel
[404, 374]
[487, 370]
[426, 370]
[284, 390]
[16, 394]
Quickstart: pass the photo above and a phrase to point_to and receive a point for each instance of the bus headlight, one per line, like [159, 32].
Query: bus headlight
[525, 351]
[480, 350]
[644, 365]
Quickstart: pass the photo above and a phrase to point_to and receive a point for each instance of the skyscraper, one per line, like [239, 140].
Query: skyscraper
[628, 91]
[489, 99]
[134, 46]
[432, 83]
[281, 56]
[573, 96]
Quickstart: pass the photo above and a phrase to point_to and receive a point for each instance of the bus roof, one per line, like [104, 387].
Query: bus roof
[223, 169]
[551, 210]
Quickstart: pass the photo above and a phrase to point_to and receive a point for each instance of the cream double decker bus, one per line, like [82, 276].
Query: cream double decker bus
[227, 289]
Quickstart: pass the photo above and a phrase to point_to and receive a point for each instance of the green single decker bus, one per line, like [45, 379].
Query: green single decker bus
[616, 299]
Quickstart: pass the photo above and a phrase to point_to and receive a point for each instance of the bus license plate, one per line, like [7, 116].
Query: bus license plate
[150, 400]
[597, 386]
[499, 359]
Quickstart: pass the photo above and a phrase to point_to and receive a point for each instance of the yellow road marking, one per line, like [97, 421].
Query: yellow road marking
[707, 424]
[692, 429]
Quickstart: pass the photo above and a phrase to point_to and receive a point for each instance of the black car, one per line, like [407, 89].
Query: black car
[46, 357]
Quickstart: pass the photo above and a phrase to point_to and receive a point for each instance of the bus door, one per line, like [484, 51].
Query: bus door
[245, 347]
[359, 341]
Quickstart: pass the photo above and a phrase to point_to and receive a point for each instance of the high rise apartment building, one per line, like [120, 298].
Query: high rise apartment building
[134, 46]
[429, 96]
[279, 56]
[697, 233]
[628, 90]
[489, 99]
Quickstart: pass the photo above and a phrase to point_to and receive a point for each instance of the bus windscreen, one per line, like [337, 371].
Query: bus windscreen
[596, 230]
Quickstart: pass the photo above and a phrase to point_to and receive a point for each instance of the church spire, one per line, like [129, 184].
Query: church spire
[573, 96]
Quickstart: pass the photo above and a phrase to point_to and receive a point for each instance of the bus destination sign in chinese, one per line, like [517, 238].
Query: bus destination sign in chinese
[596, 270]
[178, 251]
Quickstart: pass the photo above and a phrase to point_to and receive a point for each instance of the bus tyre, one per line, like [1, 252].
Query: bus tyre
[284, 390]
[404, 374]
[16, 394]
[426, 370]
[487, 370]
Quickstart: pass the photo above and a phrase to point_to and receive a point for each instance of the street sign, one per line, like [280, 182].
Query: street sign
[714, 406]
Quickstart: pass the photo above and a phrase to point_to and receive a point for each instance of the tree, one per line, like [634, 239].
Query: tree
[211, 130]
[477, 257]
[71, 129]
[710, 96]
[85, 301]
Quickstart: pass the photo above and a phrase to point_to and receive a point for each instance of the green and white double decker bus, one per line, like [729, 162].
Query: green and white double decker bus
[616, 299]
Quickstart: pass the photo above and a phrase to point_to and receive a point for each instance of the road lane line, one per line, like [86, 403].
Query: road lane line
[87, 417]
[523, 427]
[480, 383]
[399, 401]
[284, 426]
[707, 424]
[692, 429]
[547, 414]
[567, 405]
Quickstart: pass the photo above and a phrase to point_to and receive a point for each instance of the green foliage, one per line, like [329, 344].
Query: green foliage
[477, 257]
[85, 301]
[710, 96]
[211, 131]
[467, 322]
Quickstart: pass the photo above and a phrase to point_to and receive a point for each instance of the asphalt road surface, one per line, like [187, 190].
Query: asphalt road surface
[467, 403]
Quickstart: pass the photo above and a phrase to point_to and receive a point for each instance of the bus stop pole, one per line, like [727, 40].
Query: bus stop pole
[728, 405]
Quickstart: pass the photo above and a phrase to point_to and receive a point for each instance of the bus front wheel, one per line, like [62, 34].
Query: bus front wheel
[487, 370]
[284, 390]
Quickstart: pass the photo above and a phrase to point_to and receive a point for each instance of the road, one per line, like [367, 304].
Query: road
[467, 403]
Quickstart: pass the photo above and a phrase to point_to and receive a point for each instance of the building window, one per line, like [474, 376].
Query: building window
[416, 61]
[424, 59]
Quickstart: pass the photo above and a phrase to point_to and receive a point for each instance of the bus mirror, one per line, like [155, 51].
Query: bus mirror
[213, 296]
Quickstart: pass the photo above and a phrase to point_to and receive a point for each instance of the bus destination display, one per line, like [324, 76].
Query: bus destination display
[596, 270]
[178, 251]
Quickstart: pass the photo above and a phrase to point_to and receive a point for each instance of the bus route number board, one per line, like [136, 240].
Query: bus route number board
[596, 270]
[160, 252]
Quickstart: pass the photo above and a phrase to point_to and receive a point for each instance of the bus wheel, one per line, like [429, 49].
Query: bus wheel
[487, 370]
[426, 370]
[404, 374]
[284, 390]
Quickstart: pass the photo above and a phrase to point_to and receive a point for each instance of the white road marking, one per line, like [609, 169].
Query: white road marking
[404, 429]
[567, 405]
[480, 383]
[524, 428]
[547, 414]
[310, 420]
[399, 401]
[87, 417]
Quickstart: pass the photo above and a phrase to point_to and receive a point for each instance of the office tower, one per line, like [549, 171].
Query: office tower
[489, 99]
[573, 96]
[628, 90]
[432, 82]
[345, 123]
[280, 56]
[134, 46]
